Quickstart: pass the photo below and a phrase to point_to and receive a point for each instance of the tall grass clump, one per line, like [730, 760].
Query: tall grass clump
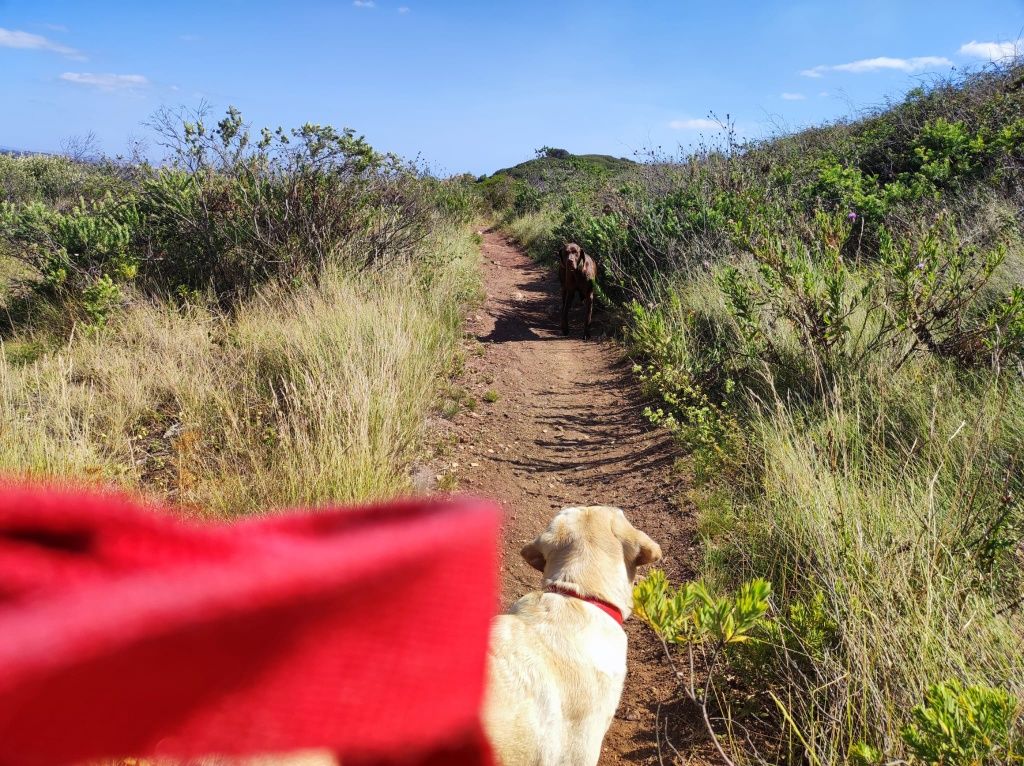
[832, 324]
[890, 520]
[263, 320]
[534, 232]
[299, 396]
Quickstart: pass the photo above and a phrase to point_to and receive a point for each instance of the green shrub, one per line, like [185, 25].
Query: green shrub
[229, 211]
[100, 298]
[55, 180]
[690, 615]
[706, 628]
[71, 250]
[690, 381]
[933, 283]
[947, 152]
[958, 726]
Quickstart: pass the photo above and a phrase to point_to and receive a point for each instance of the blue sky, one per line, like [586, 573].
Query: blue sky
[474, 86]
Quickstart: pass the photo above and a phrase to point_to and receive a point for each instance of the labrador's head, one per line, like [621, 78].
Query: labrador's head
[595, 548]
[573, 255]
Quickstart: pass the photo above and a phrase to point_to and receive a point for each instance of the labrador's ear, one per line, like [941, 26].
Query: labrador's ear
[636, 545]
[650, 551]
[534, 554]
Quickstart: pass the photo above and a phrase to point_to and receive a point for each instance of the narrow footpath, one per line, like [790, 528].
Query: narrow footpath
[567, 428]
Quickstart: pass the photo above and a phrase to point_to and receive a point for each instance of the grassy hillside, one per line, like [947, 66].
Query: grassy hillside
[524, 188]
[832, 324]
[258, 323]
[543, 171]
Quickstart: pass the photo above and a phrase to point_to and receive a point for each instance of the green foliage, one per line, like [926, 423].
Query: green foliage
[456, 199]
[964, 726]
[845, 186]
[71, 250]
[229, 211]
[20, 353]
[863, 754]
[596, 233]
[690, 382]
[689, 614]
[801, 280]
[811, 628]
[545, 168]
[100, 298]
[947, 152]
[552, 152]
[922, 292]
[1010, 138]
[55, 180]
[932, 285]
[1004, 324]
[525, 198]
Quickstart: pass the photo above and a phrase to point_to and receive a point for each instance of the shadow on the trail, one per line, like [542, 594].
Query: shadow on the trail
[535, 313]
[676, 729]
[592, 465]
[619, 442]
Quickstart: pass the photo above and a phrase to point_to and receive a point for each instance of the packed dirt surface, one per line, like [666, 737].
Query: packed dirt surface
[566, 428]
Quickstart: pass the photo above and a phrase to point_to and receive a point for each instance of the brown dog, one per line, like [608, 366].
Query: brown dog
[577, 272]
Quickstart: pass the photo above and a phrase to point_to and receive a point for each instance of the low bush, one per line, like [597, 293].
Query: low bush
[229, 211]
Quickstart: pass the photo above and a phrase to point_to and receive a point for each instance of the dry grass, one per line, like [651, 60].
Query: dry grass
[534, 232]
[304, 395]
[883, 508]
[877, 505]
[880, 504]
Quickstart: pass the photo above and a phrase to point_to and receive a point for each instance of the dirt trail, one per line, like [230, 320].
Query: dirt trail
[567, 429]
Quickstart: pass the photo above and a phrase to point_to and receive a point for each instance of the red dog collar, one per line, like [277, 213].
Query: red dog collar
[609, 609]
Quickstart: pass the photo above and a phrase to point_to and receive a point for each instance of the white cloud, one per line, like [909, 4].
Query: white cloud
[993, 51]
[106, 81]
[694, 124]
[823, 94]
[364, 3]
[793, 96]
[881, 63]
[12, 38]
[403, 9]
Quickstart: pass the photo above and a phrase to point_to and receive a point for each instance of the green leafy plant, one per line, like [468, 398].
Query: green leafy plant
[947, 152]
[81, 253]
[692, 391]
[691, 618]
[100, 298]
[965, 726]
[932, 284]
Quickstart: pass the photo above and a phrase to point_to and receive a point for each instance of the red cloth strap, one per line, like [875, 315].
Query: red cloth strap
[607, 607]
[124, 631]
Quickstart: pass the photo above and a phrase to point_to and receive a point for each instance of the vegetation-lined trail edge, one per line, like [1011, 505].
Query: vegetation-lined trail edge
[565, 427]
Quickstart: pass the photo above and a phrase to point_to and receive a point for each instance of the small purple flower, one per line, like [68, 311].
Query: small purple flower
[920, 265]
[851, 216]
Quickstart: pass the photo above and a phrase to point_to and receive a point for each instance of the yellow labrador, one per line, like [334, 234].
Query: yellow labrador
[558, 656]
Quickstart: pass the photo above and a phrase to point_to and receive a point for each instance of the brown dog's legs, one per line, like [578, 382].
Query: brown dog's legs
[588, 314]
[567, 296]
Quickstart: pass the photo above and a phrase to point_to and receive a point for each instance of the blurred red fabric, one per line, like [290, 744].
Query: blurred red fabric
[127, 632]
